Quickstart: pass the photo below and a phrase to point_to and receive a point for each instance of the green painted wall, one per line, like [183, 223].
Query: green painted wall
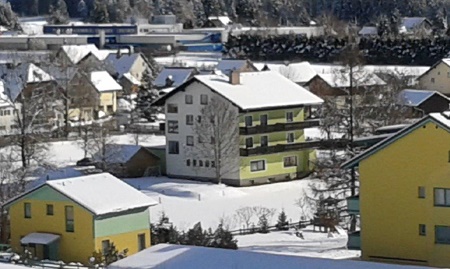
[122, 224]
[274, 116]
[161, 153]
[274, 138]
[45, 193]
[274, 164]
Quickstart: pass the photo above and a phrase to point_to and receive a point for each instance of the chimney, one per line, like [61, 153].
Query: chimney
[130, 50]
[235, 78]
[119, 53]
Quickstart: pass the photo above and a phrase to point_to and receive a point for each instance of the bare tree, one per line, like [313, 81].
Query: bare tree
[98, 142]
[218, 140]
[244, 215]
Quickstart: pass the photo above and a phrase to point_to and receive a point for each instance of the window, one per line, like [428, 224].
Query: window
[264, 141]
[188, 99]
[289, 116]
[248, 121]
[188, 162]
[204, 99]
[173, 147]
[69, 219]
[199, 119]
[27, 210]
[290, 137]
[172, 127]
[213, 140]
[263, 120]
[442, 197]
[213, 164]
[189, 140]
[432, 80]
[141, 242]
[290, 161]
[421, 192]
[105, 246]
[49, 210]
[442, 234]
[256, 166]
[206, 163]
[448, 74]
[194, 162]
[109, 109]
[189, 119]
[172, 108]
[249, 142]
[439, 73]
[200, 163]
[422, 229]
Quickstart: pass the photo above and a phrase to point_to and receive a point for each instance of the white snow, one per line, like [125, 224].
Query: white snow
[226, 66]
[115, 153]
[256, 90]
[39, 238]
[12, 266]
[363, 78]
[102, 193]
[225, 20]
[122, 63]
[76, 53]
[103, 82]
[132, 79]
[192, 257]
[443, 118]
[297, 72]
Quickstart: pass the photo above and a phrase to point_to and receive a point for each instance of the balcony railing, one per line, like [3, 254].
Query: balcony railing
[354, 240]
[279, 127]
[353, 205]
[318, 144]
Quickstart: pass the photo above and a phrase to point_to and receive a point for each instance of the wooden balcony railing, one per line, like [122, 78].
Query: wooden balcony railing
[279, 127]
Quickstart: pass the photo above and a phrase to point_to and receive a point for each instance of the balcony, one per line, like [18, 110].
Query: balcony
[317, 144]
[279, 127]
[353, 205]
[354, 240]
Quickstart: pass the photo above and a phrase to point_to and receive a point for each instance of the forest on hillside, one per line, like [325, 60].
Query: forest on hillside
[249, 12]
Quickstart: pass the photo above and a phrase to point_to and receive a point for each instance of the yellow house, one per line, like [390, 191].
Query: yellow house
[403, 203]
[437, 78]
[72, 218]
[108, 89]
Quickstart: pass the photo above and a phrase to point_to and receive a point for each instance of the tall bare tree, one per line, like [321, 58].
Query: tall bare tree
[218, 136]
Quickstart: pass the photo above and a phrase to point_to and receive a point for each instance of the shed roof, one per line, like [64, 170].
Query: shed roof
[177, 75]
[414, 98]
[115, 153]
[103, 82]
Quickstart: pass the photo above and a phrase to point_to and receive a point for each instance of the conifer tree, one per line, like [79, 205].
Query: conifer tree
[282, 224]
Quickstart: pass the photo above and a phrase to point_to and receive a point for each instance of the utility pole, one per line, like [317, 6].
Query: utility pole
[353, 177]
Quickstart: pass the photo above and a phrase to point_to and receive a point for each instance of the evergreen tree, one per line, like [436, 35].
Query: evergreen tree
[212, 7]
[8, 18]
[196, 236]
[58, 13]
[282, 224]
[222, 238]
[119, 11]
[146, 95]
[82, 9]
[263, 224]
[99, 13]
[164, 232]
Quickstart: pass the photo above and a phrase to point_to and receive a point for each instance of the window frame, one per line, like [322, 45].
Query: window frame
[190, 140]
[288, 135]
[188, 99]
[50, 212]
[422, 230]
[106, 244]
[266, 139]
[189, 119]
[172, 127]
[173, 142]
[446, 197]
[266, 122]
[69, 223]
[141, 243]
[246, 122]
[258, 169]
[436, 227]
[247, 145]
[421, 192]
[432, 80]
[289, 119]
[203, 99]
[27, 210]
[174, 109]
[290, 164]
[188, 162]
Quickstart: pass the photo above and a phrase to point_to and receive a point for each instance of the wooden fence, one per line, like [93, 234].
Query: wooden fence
[255, 229]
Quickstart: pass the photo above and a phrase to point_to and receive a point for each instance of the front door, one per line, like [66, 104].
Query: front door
[46, 255]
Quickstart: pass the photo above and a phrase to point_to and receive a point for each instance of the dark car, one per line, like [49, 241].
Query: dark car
[86, 162]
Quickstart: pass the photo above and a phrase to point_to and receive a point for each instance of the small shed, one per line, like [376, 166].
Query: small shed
[128, 161]
[423, 102]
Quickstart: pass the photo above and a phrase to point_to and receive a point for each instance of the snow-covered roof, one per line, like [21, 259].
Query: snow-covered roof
[412, 22]
[15, 78]
[177, 75]
[102, 193]
[12, 266]
[415, 98]
[193, 257]
[115, 153]
[103, 82]
[223, 19]
[368, 30]
[167, 90]
[39, 238]
[132, 79]
[298, 72]
[360, 78]
[226, 66]
[76, 53]
[122, 64]
[61, 75]
[260, 90]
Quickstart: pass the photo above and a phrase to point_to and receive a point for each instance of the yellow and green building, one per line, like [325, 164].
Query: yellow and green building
[265, 122]
[70, 219]
[404, 199]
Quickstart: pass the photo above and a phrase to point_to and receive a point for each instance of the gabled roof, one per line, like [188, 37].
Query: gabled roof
[445, 61]
[103, 82]
[115, 153]
[99, 193]
[177, 75]
[76, 53]
[61, 75]
[411, 22]
[368, 30]
[414, 98]
[257, 90]
[361, 78]
[226, 66]
[187, 257]
[442, 119]
[132, 79]
[297, 72]
[122, 64]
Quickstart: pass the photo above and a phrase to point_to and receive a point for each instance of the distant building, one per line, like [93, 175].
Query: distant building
[423, 102]
[416, 25]
[226, 66]
[368, 31]
[217, 22]
[118, 64]
[171, 77]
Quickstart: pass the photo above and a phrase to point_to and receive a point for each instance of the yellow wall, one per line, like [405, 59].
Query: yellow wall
[274, 138]
[107, 99]
[125, 240]
[77, 246]
[441, 77]
[390, 208]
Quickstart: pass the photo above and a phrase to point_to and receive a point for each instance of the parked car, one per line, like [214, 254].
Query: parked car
[86, 162]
